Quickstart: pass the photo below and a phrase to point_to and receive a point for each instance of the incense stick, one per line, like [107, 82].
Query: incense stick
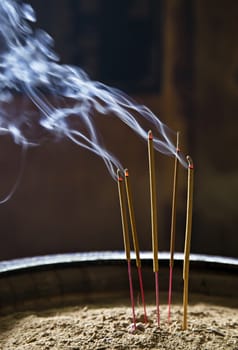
[187, 240]
[135, 238]
[153, 206]
[126, 239]
[173, 227]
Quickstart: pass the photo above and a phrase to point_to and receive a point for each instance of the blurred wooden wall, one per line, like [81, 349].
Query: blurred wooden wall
[67, 201]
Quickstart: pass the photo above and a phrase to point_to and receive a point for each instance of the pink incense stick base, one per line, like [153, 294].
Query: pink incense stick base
[131, 294]
[142, 293]
[157, 296]
[170, 292]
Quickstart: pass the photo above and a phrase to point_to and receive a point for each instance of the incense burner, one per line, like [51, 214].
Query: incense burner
[90, 277]
[82, 294]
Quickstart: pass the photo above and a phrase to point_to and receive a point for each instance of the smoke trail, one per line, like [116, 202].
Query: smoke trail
[29, 66]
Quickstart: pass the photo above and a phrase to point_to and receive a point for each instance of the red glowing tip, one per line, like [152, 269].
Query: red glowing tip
[190, 162]
[150, 135]
[126, 172]
[119, 177]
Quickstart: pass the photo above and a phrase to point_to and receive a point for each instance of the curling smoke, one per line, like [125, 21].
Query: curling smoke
[28, 65]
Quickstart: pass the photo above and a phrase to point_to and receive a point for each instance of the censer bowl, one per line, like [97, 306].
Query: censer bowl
[96, 277]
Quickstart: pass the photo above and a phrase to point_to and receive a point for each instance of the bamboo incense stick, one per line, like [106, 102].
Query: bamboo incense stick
[173, 227]
[126, 239]
[154, 228]
[135, 238]
[187, 243]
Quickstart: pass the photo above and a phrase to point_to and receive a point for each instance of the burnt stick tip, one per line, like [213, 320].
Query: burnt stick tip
[119, 177]
[150, 135]
[190, 162]
[126, 172]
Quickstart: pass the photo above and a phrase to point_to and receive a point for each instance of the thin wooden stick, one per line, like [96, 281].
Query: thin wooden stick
[173, 227]
[187, 243]
[154, 228]
[126, 240]
[135, 238]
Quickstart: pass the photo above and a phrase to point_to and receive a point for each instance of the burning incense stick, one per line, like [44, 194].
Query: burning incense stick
[135, 239]
[173, 226]
[153, 206]
[126, 239]
[187, 240]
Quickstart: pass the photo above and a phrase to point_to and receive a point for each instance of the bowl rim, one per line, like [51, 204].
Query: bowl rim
[200, 261]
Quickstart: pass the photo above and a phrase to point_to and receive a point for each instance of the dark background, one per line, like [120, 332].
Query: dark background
[180, 58]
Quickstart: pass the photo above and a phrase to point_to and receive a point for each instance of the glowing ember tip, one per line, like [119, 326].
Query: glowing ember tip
[150, 135]
[190, 162]
[126, 172]
[119, 177]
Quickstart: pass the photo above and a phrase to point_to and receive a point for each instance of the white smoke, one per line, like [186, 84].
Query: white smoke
[29, 66]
